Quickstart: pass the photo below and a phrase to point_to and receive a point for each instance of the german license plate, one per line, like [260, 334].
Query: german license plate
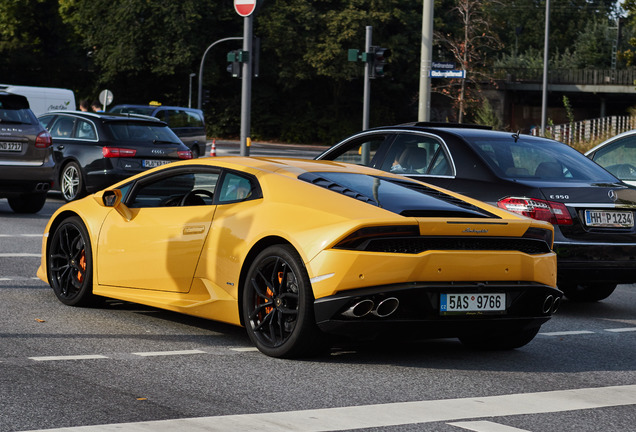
[11, 146]
[609, 218]
[155, 163]
[461, 303]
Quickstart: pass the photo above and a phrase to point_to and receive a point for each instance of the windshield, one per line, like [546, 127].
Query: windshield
[14, 109]
[538, 159]
[131, 131]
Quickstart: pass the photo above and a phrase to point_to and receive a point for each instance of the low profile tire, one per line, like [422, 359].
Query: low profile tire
[500, 341]
[588, 292]
[28, 203]
[71, 182]
[195, 152]
[278, 305]
[70, 263]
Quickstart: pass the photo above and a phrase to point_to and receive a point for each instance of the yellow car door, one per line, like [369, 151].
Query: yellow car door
[159, 246]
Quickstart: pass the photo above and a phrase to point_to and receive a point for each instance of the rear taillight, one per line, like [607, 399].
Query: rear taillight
[115, 152]
[358, 238]
[43, 140]
[554, 212]
[185, 154]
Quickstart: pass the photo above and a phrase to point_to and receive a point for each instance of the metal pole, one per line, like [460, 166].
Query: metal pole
[367, 80]
[426, 57]
[246, 89]
[546, 58]
[199, 104]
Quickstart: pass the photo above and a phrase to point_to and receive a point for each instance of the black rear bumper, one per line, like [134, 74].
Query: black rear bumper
[585, 263]
[418, 313]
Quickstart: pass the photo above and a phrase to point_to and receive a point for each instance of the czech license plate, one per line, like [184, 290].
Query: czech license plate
[11, 146]
[609, 218]
[462, 303]
[155, 163]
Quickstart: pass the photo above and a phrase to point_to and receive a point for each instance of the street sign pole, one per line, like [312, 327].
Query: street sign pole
[367, 81]
[246, 88]
[424, 106]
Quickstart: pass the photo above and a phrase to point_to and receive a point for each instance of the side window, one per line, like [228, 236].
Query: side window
[194, 119]
[619, 158]
[45, 120]
[417, 154]
[85, 130]
[161, 115]
[236, 188]
[360, 151]
[62, 127]
[181, 189]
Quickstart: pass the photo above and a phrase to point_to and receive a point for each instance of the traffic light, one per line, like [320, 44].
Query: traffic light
[235, 67]
[205, 97]
[377, 61]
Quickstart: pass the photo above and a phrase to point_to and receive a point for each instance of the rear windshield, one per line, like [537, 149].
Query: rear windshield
[147, 132]
[534, 159]
[15, 110]
[404, 197]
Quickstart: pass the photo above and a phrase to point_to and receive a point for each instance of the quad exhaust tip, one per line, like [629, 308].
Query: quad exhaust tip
[551, 304]
[365, 307]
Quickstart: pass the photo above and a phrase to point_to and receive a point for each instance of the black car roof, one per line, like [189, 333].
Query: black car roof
[106, 116]
[458, 129]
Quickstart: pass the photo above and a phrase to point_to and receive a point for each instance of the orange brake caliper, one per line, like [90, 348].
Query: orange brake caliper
[82, 263]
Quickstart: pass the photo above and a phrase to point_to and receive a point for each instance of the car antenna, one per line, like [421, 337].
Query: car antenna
[516, 136]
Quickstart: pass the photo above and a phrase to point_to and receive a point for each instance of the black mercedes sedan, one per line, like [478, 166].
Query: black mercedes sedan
[591, 210]
[95, 150]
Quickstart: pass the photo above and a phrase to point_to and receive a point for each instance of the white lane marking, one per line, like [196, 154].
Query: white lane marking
[245, 349]
[486, 426]
[620, 330]
[567, 333]
[393, 414]
[168, 353]
[70, 357]
[19, 255]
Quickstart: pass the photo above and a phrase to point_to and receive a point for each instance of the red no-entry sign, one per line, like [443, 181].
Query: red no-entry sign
[244, 7]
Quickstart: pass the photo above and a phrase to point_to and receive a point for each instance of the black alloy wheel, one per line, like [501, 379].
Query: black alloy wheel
[278, 305]
[71, 182]
[504, 340]
[70, 263]
[27, 203]
[587, 292]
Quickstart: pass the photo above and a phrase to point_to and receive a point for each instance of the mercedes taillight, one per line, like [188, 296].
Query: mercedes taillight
[554, 212]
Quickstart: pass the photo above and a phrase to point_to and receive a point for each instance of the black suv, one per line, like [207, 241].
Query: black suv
[27, 168]
[95, 150]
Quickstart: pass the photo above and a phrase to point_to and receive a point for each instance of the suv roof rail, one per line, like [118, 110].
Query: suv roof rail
[448, 125]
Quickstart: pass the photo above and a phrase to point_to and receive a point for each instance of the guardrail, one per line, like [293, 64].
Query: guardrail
[587, 131]
[568, 76]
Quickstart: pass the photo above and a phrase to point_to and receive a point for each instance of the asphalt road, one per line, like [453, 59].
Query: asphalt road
[128, 367]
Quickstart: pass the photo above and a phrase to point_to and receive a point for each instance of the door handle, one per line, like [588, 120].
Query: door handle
[194, 229]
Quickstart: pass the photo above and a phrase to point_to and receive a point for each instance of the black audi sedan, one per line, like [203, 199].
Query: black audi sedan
[591, 210]
[95, 150]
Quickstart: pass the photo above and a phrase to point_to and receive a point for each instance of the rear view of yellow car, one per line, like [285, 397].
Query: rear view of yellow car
[298, 251]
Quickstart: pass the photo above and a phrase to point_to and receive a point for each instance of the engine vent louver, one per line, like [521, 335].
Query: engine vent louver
[333, 186]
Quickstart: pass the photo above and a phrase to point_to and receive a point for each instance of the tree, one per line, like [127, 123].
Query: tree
[469, 48]
[36, 47]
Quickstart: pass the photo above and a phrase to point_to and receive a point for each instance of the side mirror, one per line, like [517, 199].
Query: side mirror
[112, 198]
